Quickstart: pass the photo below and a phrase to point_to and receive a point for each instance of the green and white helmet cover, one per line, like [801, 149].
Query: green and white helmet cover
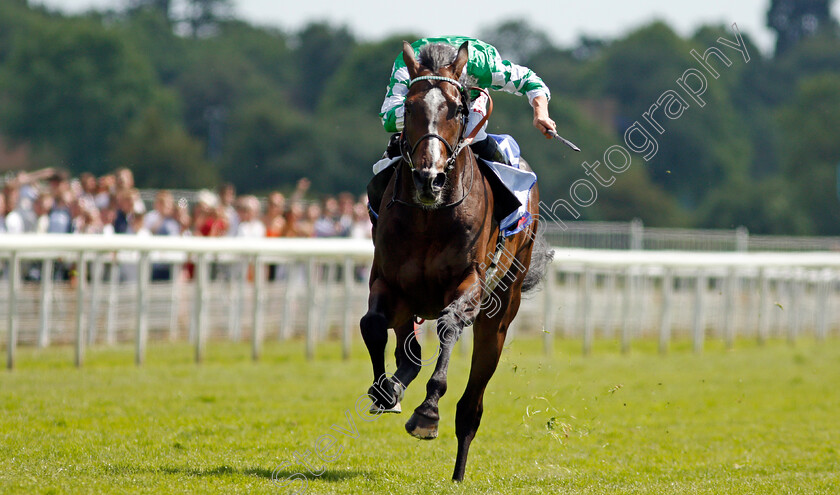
[485, 69]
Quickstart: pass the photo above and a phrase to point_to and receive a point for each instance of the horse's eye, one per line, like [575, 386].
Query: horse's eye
[407, 109]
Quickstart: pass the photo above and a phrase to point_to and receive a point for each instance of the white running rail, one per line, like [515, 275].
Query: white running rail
[318, 288]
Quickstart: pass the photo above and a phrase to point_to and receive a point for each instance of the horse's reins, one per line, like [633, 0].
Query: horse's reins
[406, 150]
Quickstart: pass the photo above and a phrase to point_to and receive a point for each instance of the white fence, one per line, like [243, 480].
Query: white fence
[634, 235]
[100, 289]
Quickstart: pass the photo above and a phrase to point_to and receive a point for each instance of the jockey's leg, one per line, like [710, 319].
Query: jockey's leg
[489, 149]
[375, 190]
[382, 175]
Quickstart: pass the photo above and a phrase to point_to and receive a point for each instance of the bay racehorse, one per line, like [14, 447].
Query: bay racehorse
[439, 255]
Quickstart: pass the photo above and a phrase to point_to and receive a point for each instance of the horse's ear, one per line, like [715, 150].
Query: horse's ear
[410, 61]
[461, 59]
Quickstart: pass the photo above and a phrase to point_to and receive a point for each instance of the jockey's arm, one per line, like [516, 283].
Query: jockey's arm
[542, 121]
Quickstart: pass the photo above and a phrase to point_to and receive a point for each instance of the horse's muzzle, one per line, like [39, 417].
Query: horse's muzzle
[428, 185]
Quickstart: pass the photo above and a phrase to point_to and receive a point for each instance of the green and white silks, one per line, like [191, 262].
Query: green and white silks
[485, 69]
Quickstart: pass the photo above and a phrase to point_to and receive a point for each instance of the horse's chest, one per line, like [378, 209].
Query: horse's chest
[429, 267]
[429, 273]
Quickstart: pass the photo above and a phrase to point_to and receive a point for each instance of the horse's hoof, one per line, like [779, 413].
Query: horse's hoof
[422, 427]
[391, 402]
[396, 409]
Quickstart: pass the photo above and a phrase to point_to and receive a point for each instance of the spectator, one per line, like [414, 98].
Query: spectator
[323, 219]
[58, 183]
[43, 206]
[125, 182]
[138, 225]
[295, 223]
[108, 215]
[274, 220]
[28, 187]
[227, 201]
[60, 217]
[19, 220]
[2, 214]
[346, 216]
[77, 214]
[87, 198]
[91, 221]
[50, 201]
[210, 219]
[124, 179]
[162, 219]
[301, 188]
[106, 187]
[361, 228]
[126, 200]
[250, 225]
[182, 214]
[312, 214]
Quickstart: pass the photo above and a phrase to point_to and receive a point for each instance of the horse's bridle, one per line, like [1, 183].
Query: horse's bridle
[406, 150]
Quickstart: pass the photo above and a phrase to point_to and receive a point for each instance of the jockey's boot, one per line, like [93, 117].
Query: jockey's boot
[488, 149]
[375, 190]
[377, 185]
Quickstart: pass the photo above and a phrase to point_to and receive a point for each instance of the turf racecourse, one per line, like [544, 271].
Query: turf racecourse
[754, 420]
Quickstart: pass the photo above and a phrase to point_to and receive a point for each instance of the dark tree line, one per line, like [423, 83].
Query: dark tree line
[188, 95]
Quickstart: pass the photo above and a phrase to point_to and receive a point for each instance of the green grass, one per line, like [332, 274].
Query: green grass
[753, 420]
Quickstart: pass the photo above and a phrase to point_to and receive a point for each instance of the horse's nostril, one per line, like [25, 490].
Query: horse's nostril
[440, 180]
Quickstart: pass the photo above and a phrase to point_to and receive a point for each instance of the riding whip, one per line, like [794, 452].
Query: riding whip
[563, 140]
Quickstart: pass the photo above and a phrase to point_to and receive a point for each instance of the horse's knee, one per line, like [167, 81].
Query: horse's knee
[374, 326]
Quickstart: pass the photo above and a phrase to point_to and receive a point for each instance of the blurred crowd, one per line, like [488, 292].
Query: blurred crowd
[49, 201]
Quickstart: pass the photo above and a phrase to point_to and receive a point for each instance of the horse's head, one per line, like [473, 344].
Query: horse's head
[435, 116]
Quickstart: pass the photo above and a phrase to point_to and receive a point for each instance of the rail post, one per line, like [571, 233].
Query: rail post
[257, 330]
[81, 276]
[11, 317]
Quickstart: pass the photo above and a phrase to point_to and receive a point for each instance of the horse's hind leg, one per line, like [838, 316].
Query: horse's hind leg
[489, 340]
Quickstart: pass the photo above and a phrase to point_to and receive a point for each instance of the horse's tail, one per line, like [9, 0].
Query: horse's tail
[541, 256]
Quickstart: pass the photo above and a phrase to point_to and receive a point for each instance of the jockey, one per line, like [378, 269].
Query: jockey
[485, 69]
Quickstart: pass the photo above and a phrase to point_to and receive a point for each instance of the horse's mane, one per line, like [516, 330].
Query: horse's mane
[436, 56]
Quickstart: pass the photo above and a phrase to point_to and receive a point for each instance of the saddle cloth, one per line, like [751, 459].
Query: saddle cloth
[517, 181]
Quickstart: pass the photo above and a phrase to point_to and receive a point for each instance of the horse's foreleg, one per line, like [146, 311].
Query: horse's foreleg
[461, 313]
[489, 340]
[407, 354]
[382, 309]
[387, 392]
[374, 326]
